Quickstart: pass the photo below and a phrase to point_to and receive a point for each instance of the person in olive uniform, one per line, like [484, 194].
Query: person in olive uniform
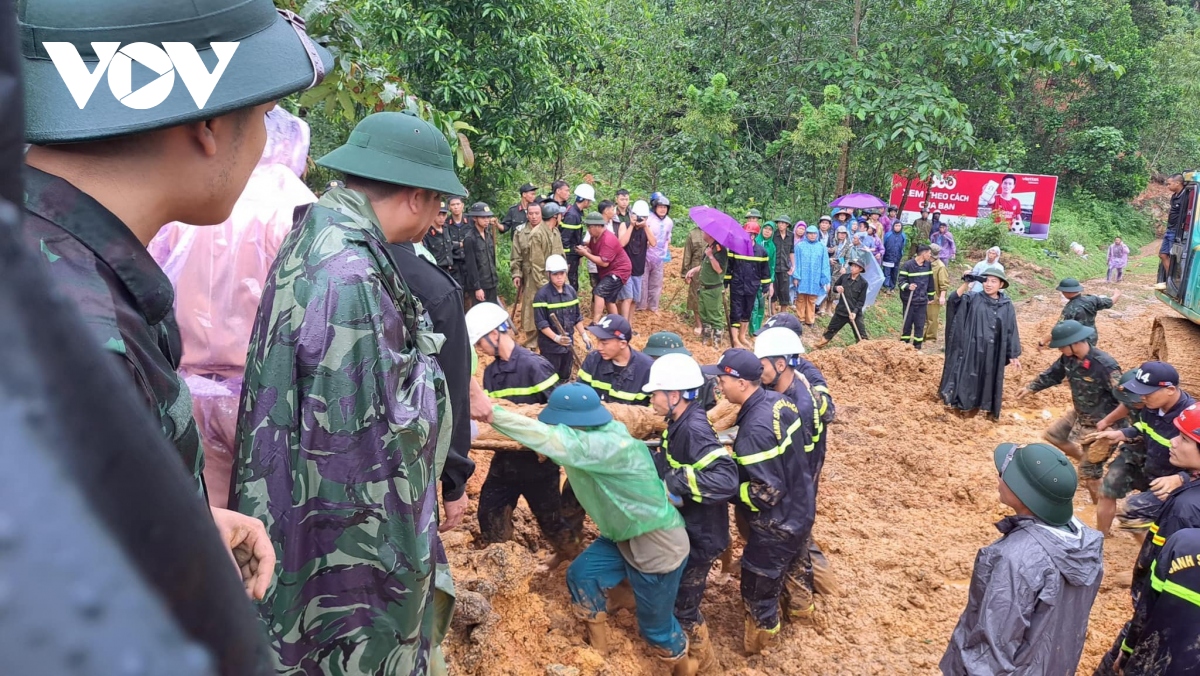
[102, 180]
[1082, 307]
[481, 274]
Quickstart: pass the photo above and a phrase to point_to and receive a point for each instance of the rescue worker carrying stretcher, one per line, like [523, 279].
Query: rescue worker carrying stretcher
[702, 478]
[521, 377]
[775, 494]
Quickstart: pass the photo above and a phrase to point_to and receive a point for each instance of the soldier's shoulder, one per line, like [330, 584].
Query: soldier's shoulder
[1106, 359]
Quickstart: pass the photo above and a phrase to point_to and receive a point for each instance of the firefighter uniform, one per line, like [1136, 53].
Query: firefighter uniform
[564, 306]
[620, 384]
[748, 276]
[701, 472]
[776, 499]
[1161, 638]
[915, 301]
[524, 378]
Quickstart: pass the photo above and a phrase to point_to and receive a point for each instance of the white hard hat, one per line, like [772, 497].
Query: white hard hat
[674, 372]
[585, 191]
[556, 263]
[640, 208]
[482, 319]
[778, 341]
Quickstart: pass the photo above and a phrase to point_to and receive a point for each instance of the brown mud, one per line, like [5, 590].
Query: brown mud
[908, 496]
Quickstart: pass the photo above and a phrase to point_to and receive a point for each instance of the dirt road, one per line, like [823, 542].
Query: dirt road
[908, 496]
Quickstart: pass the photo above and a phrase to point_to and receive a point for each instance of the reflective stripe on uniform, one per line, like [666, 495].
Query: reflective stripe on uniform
[760, 259]
[763, 456]
[1149, 431]
[744, 494]
[1125, 647]
[552, 306]
[524, 391]
[586, 377]
[915, 274]
[1173, 588]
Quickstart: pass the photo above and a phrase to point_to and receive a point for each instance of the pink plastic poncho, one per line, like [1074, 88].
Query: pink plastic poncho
[218, 273]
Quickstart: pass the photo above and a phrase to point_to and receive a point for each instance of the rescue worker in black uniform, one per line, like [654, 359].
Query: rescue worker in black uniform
[556, 312]
[439, 241]
[701, 478]
[775, 494]
[916, 289]
[458, 233]
[521, 377]
[572, 230]
[748, 276]
[614, 369]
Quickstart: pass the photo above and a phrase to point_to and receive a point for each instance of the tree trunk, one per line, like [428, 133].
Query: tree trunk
[844, 156]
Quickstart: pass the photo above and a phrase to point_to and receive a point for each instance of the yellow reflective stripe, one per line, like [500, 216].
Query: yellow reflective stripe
[1159, 540]
[761, 259]
[1148, 431]
[915, 274]
[627, 396]
[551, 306]
[691, 478]
[744, 494]
[1125, 647]
[1172, 588]
[765, 281]
[708, 459]
[524, 391]
[1154, 528]
[763, 456]
[568, 226]
[586, 377]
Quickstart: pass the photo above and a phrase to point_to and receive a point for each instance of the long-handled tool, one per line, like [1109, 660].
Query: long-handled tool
[907, 305]
[853, 319]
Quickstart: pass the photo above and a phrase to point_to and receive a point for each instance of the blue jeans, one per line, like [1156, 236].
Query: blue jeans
[601, 567]
[890, 275]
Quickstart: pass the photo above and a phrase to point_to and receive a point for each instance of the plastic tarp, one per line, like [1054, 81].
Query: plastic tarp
[218, 273]
[873, 274]
[612, 474]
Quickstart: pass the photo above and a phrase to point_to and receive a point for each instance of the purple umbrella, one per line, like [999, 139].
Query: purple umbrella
[723, 228]
[858, 200]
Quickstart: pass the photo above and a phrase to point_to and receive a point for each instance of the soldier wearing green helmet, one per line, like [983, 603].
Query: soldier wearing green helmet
[349, 490]
[108, 168]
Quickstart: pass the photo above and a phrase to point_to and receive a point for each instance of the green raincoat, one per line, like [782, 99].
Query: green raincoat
[760, 305]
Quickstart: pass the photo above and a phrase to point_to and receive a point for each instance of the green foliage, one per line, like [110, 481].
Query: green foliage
[1102, 159]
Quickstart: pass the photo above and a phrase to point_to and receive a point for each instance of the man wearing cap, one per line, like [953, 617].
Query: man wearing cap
[556, 313]
[775, 494]
[614, 369]
[940, 284]
[1091, 374]
[1082, 307]
[612, 265]
[922, 231]
[753, 218]
[440, 243]
[521, 264]
[337, 323]
[481, 275]
[516, 213]
[1162, 401]
[702, 478]
[749, 276]
[916, 287]
[1126, 473]
[1031, 590]
[571, 228]
[521, 377]
[642, 536]
[101, 180]
[693, 256]
[851, 287]
[1161, 637]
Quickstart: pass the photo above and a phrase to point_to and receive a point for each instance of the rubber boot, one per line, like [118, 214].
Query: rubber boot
[756, 640]
[597, 632]
[821, 343]
[701, 647]
[679, 665]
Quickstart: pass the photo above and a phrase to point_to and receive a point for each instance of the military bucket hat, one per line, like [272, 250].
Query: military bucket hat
[1069, 332]
[170, 41]
[993, 271]
[665, 342]
[1069, 285]
[1041, 477]
[398, 148]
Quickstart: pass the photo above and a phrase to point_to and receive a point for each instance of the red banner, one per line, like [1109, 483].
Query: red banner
[1025, 201]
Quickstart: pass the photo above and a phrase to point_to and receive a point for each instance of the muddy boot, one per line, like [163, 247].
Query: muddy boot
[700, 647]
[597, 632]
[679, 665]
[820, 343]
[824, 579]
[756, 640]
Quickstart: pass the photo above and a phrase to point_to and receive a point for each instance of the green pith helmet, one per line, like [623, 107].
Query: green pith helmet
[1042, 478]
[400, 149]
[1130, 399]
[479, 210]
[665, 342]
[783, 218]
[273, 57]
[594, 218]
[1069, 332]
[993, 271]
[1069, 285]
[753, 213]
[575, 405]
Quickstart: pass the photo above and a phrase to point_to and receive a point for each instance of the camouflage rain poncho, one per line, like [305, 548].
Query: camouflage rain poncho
[343, 429]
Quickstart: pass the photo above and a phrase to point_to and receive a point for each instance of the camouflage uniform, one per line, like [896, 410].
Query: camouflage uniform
[1091, 379]
[1083, 309]
[124, 297]
[344, 427]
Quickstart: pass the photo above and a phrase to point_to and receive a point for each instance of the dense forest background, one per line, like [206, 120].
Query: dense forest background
[777, 105]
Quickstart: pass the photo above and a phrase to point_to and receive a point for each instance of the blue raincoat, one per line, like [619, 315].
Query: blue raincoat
[811, 274]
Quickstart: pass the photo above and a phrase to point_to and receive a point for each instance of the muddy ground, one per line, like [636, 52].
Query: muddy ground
[908, 496]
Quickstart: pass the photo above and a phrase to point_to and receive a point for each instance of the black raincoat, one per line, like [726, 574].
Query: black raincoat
[982, 339]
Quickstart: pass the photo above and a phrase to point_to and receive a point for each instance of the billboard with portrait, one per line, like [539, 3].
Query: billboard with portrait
[1024, 202]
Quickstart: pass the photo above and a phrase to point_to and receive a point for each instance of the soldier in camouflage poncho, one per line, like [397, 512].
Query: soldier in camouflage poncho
[345, 420]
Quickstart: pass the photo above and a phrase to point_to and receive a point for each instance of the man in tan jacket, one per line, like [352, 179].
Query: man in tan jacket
[941, 281]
